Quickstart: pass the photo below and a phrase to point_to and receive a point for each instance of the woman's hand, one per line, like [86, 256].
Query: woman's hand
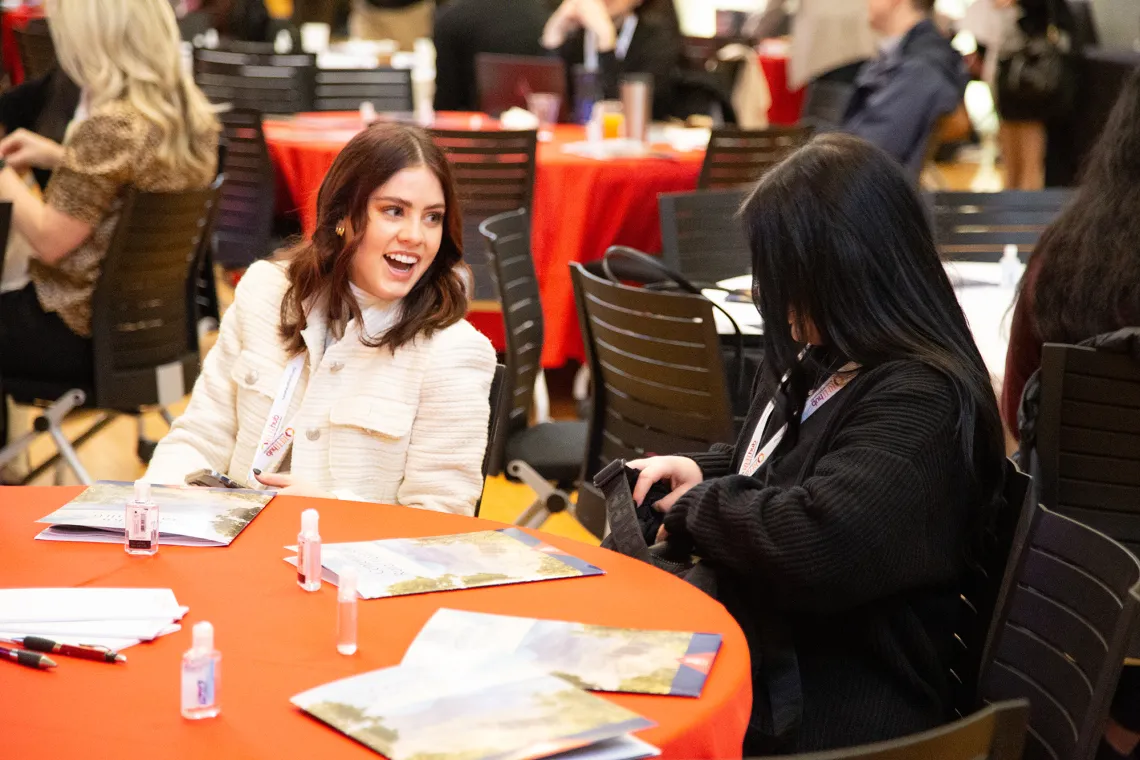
[580, 14]
[681, 472]
[27, 150]
[287, 485]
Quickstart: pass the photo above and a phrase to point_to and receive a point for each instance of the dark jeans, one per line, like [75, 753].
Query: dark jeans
[37, 345]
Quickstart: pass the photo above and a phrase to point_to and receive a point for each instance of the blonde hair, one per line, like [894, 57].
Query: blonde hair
[130, 50]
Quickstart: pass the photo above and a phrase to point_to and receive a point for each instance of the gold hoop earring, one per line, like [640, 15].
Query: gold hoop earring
[340, 230]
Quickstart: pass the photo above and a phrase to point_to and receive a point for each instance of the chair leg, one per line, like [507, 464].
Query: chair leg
[69, 456]
[549, 501]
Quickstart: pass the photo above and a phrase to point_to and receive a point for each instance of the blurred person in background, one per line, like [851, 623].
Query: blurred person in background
[917, 78]
[465, 28]
[628, 36]
[404, 21]
[146, 125]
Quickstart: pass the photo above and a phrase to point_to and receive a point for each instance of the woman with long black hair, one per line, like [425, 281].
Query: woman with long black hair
[870, 467]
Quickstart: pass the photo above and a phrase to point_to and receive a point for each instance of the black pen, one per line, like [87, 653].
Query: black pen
[29, 659]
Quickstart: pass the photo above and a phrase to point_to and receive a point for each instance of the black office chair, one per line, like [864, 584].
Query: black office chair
[388, 90]
[701, 236]
[494, 173]
[142, 323]
[243, 231]
[251, 76]
[825, 105]
[549, 452]
[739, 157]
[497, 399]
[1068, 610]
[37, 51]
[996, 732]
[978, 226]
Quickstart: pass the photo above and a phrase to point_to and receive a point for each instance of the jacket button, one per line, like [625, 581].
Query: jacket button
[313, 434]
[336, 366]
[251, 377]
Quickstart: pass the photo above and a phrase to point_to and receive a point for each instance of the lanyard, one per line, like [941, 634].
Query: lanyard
[621, 47]
[275, 437]
[756, 456]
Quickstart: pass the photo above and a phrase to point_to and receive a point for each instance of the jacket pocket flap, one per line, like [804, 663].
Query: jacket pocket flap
[391, 419]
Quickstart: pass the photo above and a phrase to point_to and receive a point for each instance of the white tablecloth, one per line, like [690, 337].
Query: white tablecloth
[987, 305]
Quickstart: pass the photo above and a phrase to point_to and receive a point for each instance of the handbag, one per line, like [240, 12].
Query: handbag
[1038, 81]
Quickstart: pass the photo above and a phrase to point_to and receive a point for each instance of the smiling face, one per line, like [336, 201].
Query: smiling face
[405, 228]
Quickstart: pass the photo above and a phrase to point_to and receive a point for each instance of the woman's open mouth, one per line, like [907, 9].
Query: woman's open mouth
[401, 263]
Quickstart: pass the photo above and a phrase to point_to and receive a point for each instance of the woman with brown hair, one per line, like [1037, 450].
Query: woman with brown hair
[345, 369]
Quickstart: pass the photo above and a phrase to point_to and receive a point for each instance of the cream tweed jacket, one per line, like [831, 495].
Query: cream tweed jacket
[408, 428]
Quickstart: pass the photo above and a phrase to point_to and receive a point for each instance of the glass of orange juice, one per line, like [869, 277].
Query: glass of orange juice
[613, 120]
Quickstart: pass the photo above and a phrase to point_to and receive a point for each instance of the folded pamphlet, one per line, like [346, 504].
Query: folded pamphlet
[188, 515]
[401, 566]
[594, 657]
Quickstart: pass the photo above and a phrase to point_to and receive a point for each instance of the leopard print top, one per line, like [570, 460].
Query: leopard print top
[113, 149]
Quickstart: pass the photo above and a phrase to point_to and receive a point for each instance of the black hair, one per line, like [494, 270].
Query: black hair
[1088, 263]
[840, 239]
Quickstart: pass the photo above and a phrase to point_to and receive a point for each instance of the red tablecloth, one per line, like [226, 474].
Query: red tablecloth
[277, 640]
[581, 207]
[15, 18]
[787, 105]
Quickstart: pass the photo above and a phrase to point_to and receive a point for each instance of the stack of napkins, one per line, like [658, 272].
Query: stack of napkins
[187, 515]
[504, 711]
[400, 566]
[594, 657]
[115, 618]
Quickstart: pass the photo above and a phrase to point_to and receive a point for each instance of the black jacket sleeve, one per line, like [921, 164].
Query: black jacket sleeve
[868, 521]
[454, 77]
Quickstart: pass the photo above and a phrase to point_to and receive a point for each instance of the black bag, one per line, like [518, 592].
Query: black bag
[1038, 82]
[633, 528]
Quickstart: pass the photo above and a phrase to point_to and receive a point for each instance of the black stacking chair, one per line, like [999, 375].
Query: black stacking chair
[494, 173]
[37, 51]
[496, 402]
[739, 157]
[243, 231]
[1068, 610]
[994, 733]
[825, 105]
[549, 452]
[142, 322]
[659, 384]
[978, 226]
[388, 90]
[251, 76]
[701, 236]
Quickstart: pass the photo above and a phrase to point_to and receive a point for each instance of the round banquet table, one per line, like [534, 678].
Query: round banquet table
[277, 640]
[581, 205]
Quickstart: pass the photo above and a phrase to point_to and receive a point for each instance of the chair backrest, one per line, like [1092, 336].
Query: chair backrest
[825, 104]
[701, 236]
[143, 351]
[36, 49]
[244, 226]
[503, 81]
[1087, 460]
[659, 384]
[739, 157]
[978, 226]
[494, 173]
[508, 236]
[996, 732]
[248, 76]
[982, 584]
[1067, 613]
[388, 90]
[497, 399]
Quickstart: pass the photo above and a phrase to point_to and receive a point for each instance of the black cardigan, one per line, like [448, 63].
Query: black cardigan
[843, 568]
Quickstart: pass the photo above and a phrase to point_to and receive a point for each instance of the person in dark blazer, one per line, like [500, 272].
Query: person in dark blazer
[869, 471]
[632, 36]
[45, 105]
[465, 28]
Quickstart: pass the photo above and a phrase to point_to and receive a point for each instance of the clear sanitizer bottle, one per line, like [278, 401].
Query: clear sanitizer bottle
[309, 552]
[201, 675]
[346, 611]
[141, 522]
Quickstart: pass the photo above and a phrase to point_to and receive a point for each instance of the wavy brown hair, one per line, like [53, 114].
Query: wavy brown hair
[319, 270]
